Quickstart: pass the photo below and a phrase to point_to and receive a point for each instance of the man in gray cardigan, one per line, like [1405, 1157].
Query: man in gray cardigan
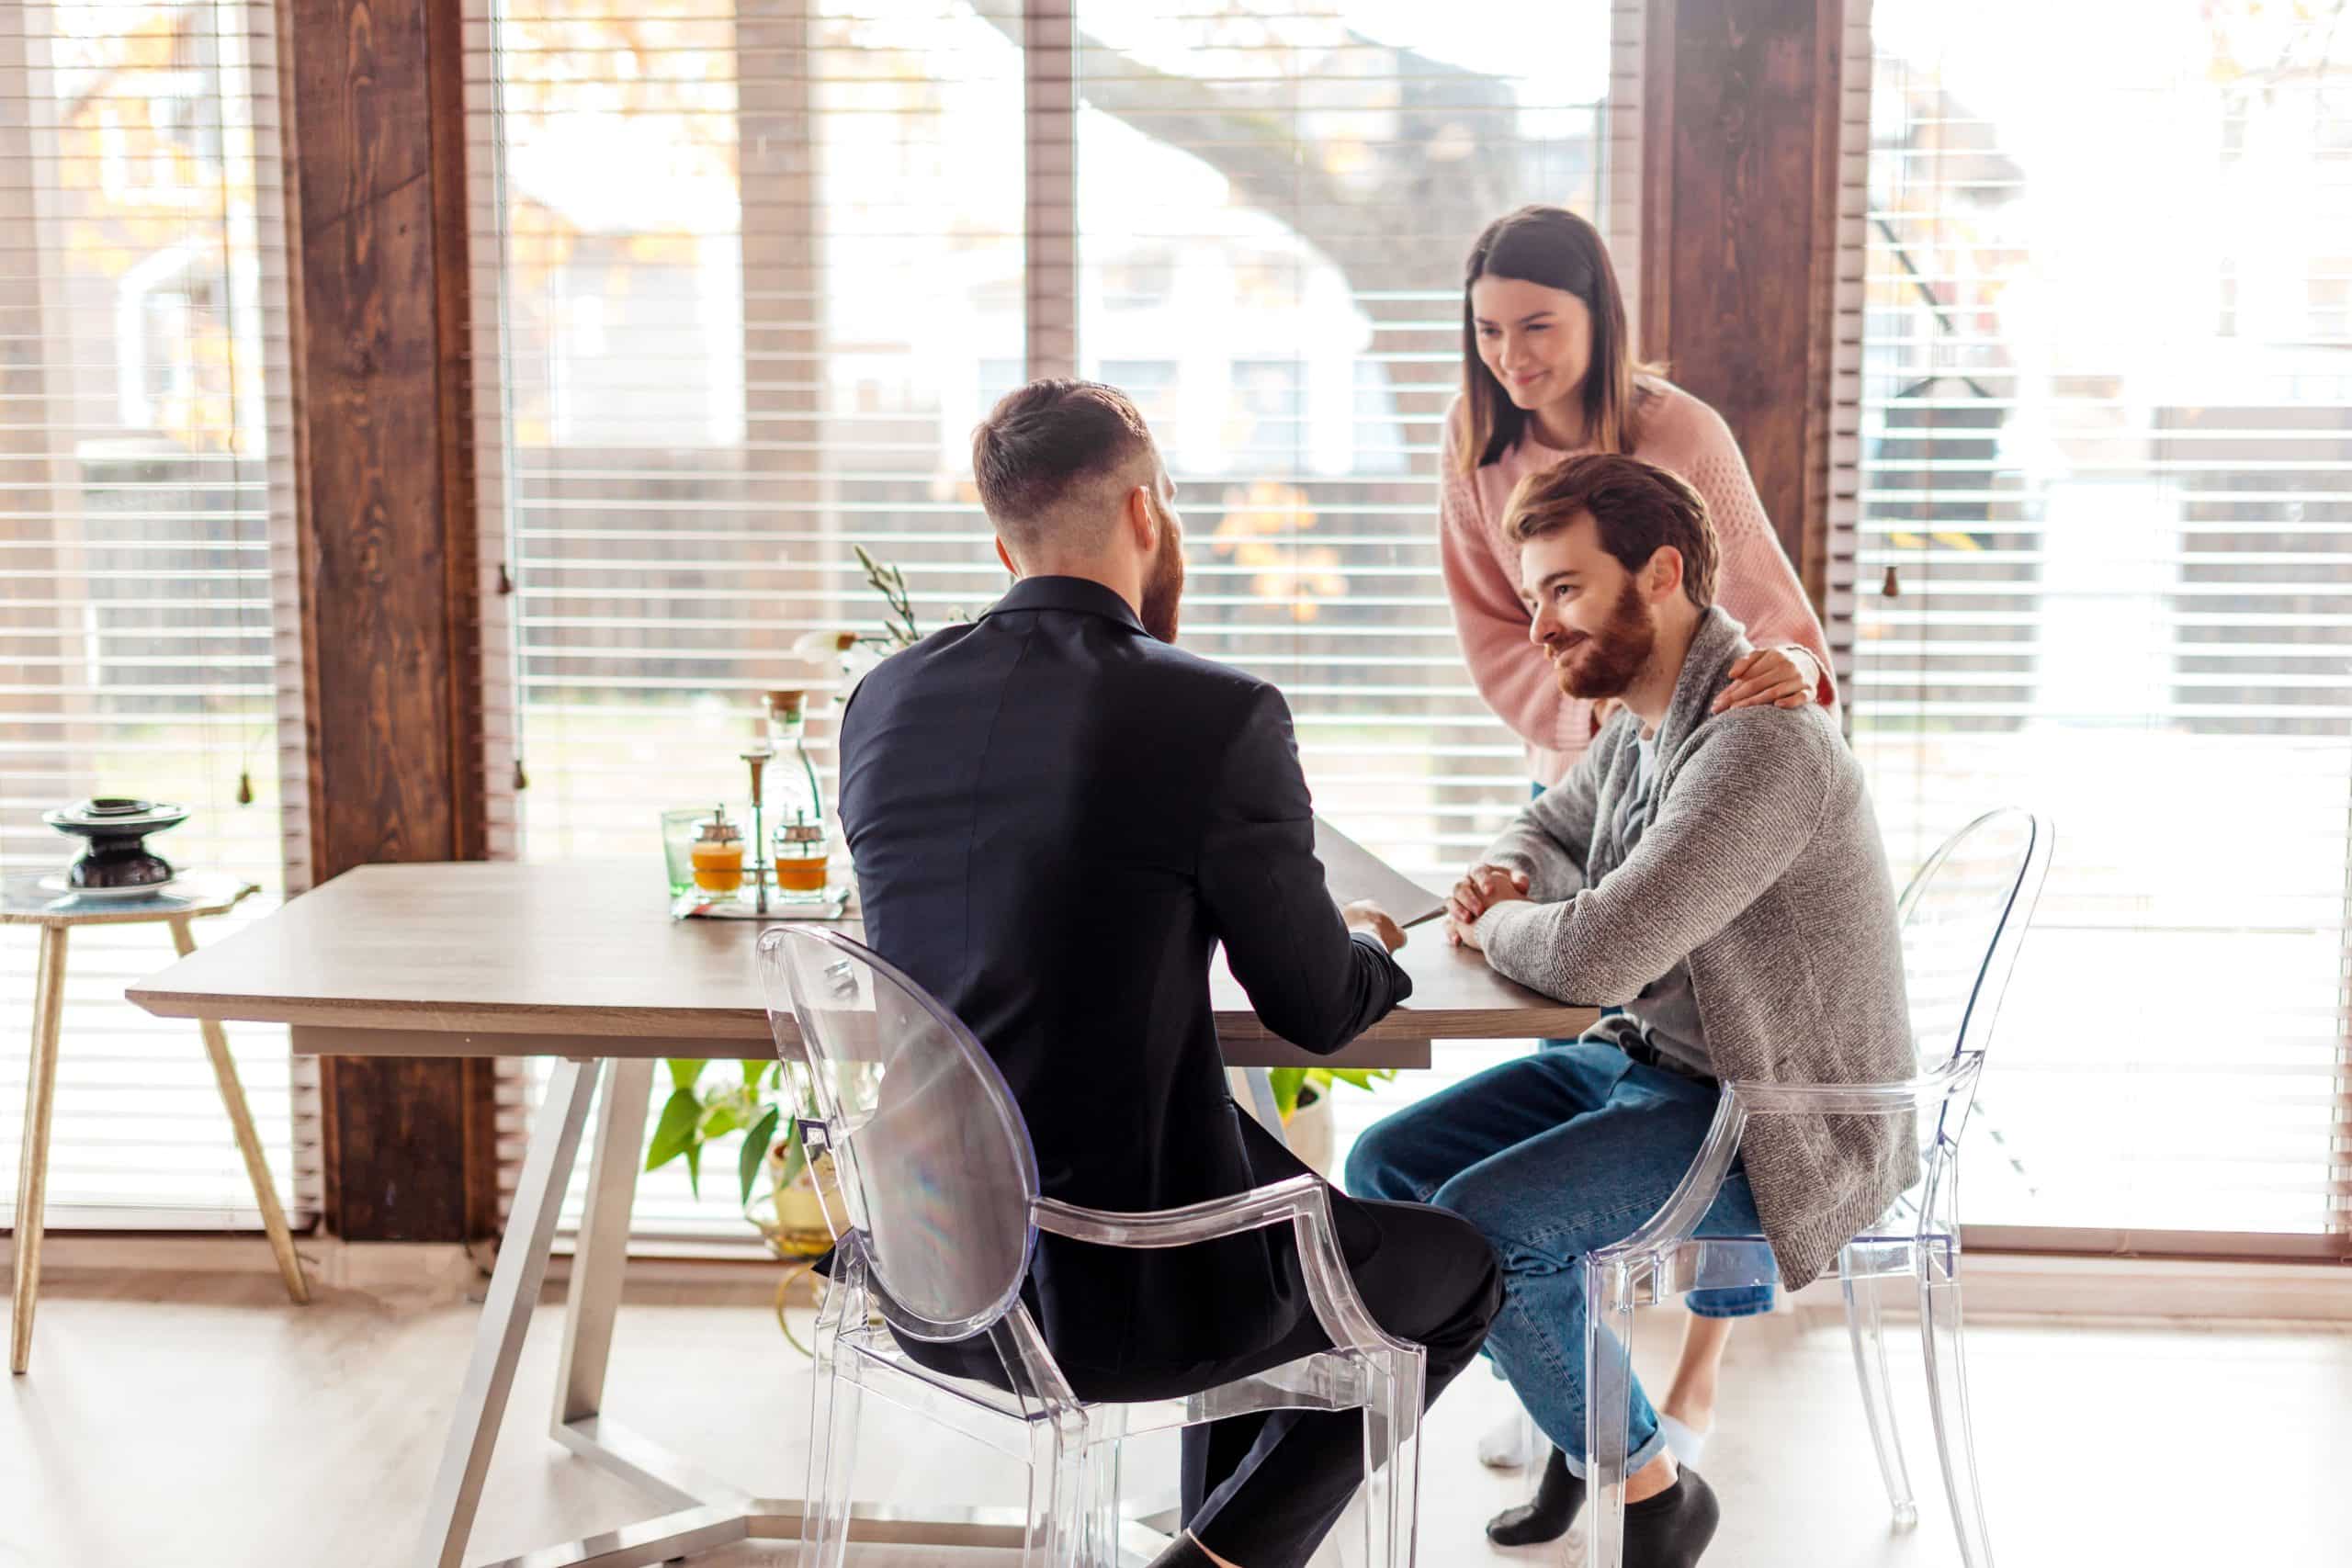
[1716, 879]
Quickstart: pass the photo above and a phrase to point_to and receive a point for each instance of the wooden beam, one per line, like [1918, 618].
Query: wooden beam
[1740, 167]
[390, 623]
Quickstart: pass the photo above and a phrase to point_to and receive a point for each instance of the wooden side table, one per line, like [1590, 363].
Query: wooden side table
[25, 902]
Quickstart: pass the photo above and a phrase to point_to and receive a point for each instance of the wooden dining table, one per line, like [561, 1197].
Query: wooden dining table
[580, 962]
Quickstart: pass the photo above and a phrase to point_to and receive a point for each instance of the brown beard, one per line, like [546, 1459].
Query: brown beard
[1608, 661]
[1164, 593]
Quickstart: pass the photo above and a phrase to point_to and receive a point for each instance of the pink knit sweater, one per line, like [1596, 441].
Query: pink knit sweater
[1754, 581]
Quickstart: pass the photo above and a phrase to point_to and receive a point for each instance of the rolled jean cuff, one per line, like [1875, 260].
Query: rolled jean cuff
[1635, 1462]
[1748, 1301]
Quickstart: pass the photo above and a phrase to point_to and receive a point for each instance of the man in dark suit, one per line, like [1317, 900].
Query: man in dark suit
[1057, 814]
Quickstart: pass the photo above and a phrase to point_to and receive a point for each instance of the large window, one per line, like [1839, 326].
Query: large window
[145, 490]
[1273, 207]
[2105, 570]
[748, 272]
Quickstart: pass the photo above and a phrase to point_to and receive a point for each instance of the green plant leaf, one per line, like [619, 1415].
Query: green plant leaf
[753, 1071]
[686, 1071]
[674, 1135]
[719, 1118]
[1287, 1083]
[755, 1148]
[795, 1154]
[693, 1168]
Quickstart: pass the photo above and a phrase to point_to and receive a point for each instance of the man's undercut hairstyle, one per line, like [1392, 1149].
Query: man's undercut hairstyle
[1637, 507]
[1051, 460]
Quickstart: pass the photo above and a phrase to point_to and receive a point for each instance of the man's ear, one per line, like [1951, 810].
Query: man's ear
[1144, 518]
[1006, 556]
[1664, 571]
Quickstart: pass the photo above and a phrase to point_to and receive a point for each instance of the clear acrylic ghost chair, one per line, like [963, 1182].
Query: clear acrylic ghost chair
[1964, 918]
[935, 1208]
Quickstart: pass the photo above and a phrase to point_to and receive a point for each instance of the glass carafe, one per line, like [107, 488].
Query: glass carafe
[803, 832]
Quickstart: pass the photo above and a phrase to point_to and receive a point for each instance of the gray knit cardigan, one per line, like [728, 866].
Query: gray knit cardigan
[1762, 865]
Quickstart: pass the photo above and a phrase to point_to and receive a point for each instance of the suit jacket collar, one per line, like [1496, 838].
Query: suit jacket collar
[1081, 594]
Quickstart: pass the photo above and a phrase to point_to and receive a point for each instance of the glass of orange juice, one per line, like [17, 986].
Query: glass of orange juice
[717, 853]
[800, 857]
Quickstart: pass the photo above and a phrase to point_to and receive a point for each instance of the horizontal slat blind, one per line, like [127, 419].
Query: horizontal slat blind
[1272, 212]
[747, 274]
[146, 495]
[2103, 568]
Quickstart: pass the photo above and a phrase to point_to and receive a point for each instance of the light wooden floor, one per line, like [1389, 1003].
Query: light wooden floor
[202, 1422]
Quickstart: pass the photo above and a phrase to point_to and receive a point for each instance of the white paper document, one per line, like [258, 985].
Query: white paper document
[1352, 871]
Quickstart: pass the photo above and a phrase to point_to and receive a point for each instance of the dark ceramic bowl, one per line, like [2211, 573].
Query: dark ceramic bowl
[115, 854]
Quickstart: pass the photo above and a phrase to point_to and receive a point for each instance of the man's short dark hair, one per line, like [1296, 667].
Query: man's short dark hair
[1638, 508]
[1042, 445]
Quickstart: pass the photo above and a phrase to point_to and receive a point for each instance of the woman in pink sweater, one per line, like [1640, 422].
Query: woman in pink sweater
[1548, 372]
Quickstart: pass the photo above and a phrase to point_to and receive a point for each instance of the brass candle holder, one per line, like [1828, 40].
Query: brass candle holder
[757, 757]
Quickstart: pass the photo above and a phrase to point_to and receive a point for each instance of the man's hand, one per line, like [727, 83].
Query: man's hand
[1366, 916]
[1481, 888]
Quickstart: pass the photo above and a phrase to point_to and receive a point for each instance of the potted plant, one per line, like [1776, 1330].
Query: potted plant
[789, 1211]
[1303, 1096]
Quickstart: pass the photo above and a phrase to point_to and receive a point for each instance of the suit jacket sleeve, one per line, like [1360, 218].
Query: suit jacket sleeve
[1310, 980]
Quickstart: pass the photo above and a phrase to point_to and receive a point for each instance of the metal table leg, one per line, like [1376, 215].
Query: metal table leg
[703, 1511]
[601, 1258]
[515, 1285]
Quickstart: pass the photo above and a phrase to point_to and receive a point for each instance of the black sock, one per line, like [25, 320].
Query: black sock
[1558, 1497]
[1672, 1529]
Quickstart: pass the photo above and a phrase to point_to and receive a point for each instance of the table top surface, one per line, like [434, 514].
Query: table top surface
[430, 953]
[24, 901]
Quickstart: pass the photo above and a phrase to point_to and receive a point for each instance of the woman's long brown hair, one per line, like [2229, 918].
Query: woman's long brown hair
[1554, 247]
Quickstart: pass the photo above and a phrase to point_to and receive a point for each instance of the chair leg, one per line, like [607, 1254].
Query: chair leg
[833, 1401]
[32, 1161]
[1940, 1331]
[1869, 1339]
[241, 1123]
[1099, 1543]
[1056, 1534]
[1392, 1459]
[1608, 1406]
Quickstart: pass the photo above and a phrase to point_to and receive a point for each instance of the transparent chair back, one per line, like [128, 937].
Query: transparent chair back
[938, 1214]
[931, 1158]
[1964, 918]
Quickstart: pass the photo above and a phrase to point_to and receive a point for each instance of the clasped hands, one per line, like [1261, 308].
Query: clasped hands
[1485, 885]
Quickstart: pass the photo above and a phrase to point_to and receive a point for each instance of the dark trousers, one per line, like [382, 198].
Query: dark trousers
[1263, 1490]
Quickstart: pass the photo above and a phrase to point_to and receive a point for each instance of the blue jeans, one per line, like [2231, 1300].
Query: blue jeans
[1552, 1157]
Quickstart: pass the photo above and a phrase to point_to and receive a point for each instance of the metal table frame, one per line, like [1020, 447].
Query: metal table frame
[703, 1511]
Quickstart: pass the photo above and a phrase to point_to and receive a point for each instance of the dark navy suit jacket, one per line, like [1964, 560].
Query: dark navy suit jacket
[1056, 817]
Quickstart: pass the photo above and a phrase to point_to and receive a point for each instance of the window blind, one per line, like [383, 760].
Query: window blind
[146, 494]
[747, 274]
[2098, 563]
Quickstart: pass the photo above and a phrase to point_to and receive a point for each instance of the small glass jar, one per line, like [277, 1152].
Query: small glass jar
[719, 854]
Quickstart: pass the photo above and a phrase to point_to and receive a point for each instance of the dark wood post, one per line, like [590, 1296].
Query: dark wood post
[390, 623]
[1740, 114]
